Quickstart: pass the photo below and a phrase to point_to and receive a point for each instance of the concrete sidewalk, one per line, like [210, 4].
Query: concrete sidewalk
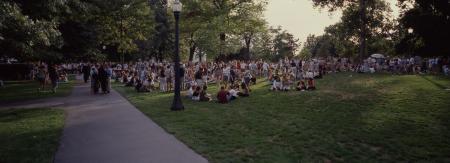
[108, 129]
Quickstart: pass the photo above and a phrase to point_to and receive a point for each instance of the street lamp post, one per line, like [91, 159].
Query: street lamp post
[177, 104]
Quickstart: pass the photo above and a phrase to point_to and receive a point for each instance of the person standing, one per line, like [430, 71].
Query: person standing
[162, 80]
[103, 78]
[94, 79]
[182, 73]
[53, 76]
[86, 70]
[41, 76]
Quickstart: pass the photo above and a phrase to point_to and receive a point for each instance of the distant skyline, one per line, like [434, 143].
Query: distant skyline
[300, 18]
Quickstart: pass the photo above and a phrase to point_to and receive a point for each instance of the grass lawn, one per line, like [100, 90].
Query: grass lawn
[30, 135]
[27, 90]
[350, 118]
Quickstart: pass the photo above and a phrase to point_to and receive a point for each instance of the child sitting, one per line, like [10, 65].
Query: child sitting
[203, 95]
[222, 96]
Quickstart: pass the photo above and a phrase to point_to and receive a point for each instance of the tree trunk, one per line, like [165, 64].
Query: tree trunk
[247, 48]
[222, 43]
[362, 39]
[192, 52]
[200, 56]
[160, 51]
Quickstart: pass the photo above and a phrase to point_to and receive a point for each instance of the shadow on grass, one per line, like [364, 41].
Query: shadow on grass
[433, 82]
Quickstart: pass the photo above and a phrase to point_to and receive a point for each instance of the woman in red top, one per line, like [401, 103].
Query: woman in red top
[222, 96]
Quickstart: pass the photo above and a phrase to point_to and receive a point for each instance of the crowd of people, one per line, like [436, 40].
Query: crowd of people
[407, 65]
[48, 74]
[234, 78]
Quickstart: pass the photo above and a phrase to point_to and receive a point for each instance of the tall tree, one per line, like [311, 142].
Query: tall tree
[121, 23]
[249, 22]
[366, 9]
[162, 27]
[285, 44]
[27, 37]
[430, 22]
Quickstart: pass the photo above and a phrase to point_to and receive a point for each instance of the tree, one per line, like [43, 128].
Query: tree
[320, 46]
[285, 45]
[161, 37]
[24, 37]
[430, 21]
[121, 23]
[249, 22]
[361, 15]
[263, 43]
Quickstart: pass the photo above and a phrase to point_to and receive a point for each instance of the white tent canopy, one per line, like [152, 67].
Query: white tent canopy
[377, 56]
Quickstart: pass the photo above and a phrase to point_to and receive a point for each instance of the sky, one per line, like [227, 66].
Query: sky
[300, 18]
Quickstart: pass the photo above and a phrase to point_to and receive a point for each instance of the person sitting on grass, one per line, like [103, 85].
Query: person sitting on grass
[253, 80]
[245, 91]
[203, 95]
[222, 96]
[124, 77]
[196, 94]
[146, 86]
[138, 85]
[311, 82]
[276, 84]
[190, 91]
[233, 93]
[301, 86]
[131, 82]
[285, 83]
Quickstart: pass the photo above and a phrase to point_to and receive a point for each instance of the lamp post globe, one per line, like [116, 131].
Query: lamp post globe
[410, 30]
[177, 6]
[177, 104]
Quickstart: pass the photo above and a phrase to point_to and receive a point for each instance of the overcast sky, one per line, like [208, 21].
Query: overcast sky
[300, 18]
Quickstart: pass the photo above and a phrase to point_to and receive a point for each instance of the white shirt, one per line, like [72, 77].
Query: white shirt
[233, 92]
[226, 71]
[265, 66]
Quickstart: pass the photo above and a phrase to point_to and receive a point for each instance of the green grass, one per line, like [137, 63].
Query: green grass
[30, 135]
[350, 118]
[28, 90]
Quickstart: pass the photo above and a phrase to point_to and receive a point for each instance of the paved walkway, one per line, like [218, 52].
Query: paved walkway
[108, 129]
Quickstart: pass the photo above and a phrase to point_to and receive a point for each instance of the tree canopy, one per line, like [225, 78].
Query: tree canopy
[120, 30]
